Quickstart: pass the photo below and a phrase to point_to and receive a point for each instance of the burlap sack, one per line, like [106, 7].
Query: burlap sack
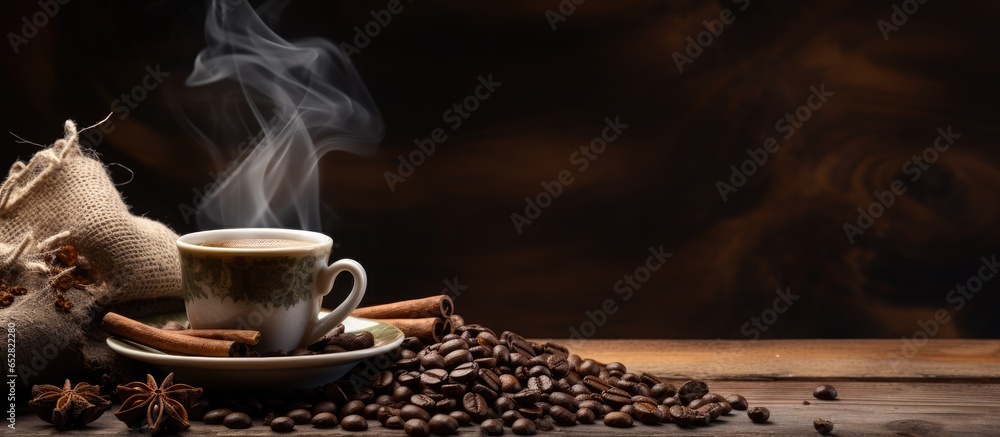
[64, 197]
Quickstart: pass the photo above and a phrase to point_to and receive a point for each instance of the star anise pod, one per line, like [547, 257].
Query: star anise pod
[68, 407]
[163, 407]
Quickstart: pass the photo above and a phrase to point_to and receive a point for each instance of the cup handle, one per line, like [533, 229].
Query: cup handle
[324, 283]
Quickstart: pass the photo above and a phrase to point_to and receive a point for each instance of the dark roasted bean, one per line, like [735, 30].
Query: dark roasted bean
[824, 427]
[394, 422]
[487, 363]
[737, 401]
[487, 339]
[299, 416]
[284, 424]
[446, 406]
[509, 417]
[414, 412]
[461, 417]
[696, 404]
[324, 407]
[562, 416]
[443, 424]
[509, 384]
[215, 417]
[671, 401]
[402, 394]
[384, 413]
[523, 427]
[453, 345]
[825, 392]
[432, 360]
[491, 427]
[585, 416]
[618, 419]
[646, 413]
[476, 406]
[416, 428]
[691, 390]
[527, 396]
[758, 414]
[323, 420]
[662, 390]
[371, 411]
[681, 415]
[237, 421]
[544, 424]
[504, 403]
[616, 397]
[422, 401]
[490, 379]
[465, 373]
[558, 365]
[645, 399]
[664, 413]
[489, 394]
[564, 400]
[713, 397]
[533, 412]
[352, 407]
[455, 358]
[481, 352]
[354, 422]
[454, 390]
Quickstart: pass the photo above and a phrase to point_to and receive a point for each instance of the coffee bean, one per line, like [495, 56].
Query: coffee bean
[662, 391]
[409, 363]
[713, 397]
[323, 420]
[422, 401]
[671, 401]
[333, 393]
[509, 384]
[697, 403]
[416, 428]
[479, 352]
[628, 409]
[616, 397]
[596, 407]
[585, 416]
[383, 380]
[646, 413]
[385, 412]
[461, 417]
[486, 339]
[487, 393]
[432, 360]
[490, 379]
[504, 403]
[700, 419]
[533, 412]
[664, 413]
[394, 422]
[539, 371]
[237, 421]
[324, 407]
[215, 417]
[712, 409]
[758, 414]
[455, 358]
[542, 383]
[562, 416]
[589, 367]
[352, 407]
[617, 419]
[414, 412]
[646, 399]
[616, 367]
[298, 352]
[434, 377]
[476, 406]
[825, 392]
[564, 400]
[691, 390]
[681, 415]
[823, 426]
[595, 384]
[649, 379]
[544, 424]
[726, 407]
[284, 424]
[300, 416]
[527, 396]
[524, 427]
[737, 401]
[443, 424]
[491, 427]
[454, 390]
[354, 422]
[445, 406]
[509, 417]
[453, 345]
[371, 411]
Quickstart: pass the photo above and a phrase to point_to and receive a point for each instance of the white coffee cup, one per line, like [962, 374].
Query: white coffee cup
[264, 279]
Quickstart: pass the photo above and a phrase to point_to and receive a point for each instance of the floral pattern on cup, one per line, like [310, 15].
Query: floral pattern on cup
[269, 280]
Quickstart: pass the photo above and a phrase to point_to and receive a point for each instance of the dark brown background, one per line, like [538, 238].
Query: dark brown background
[656, 185]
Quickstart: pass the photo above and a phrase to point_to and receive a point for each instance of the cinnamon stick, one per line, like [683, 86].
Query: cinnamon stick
[170, 341]
[432, 306]
[250, 338]
[428, 329]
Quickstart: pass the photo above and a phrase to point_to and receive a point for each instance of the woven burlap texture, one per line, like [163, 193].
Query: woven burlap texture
[63, 196]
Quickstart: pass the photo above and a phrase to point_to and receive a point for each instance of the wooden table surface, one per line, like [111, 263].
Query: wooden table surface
[943, 388]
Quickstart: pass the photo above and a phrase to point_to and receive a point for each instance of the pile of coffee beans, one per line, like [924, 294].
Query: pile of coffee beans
[499, 382]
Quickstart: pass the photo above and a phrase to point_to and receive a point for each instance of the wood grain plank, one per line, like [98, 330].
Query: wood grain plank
[946, 359]
[863, 408]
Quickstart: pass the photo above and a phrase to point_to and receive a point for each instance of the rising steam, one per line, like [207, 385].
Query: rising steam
[321, 103]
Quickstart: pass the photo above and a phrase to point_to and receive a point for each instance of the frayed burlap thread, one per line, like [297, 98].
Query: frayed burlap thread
[63, 196]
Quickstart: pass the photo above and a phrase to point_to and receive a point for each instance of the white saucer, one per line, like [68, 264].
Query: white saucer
[266, 372]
